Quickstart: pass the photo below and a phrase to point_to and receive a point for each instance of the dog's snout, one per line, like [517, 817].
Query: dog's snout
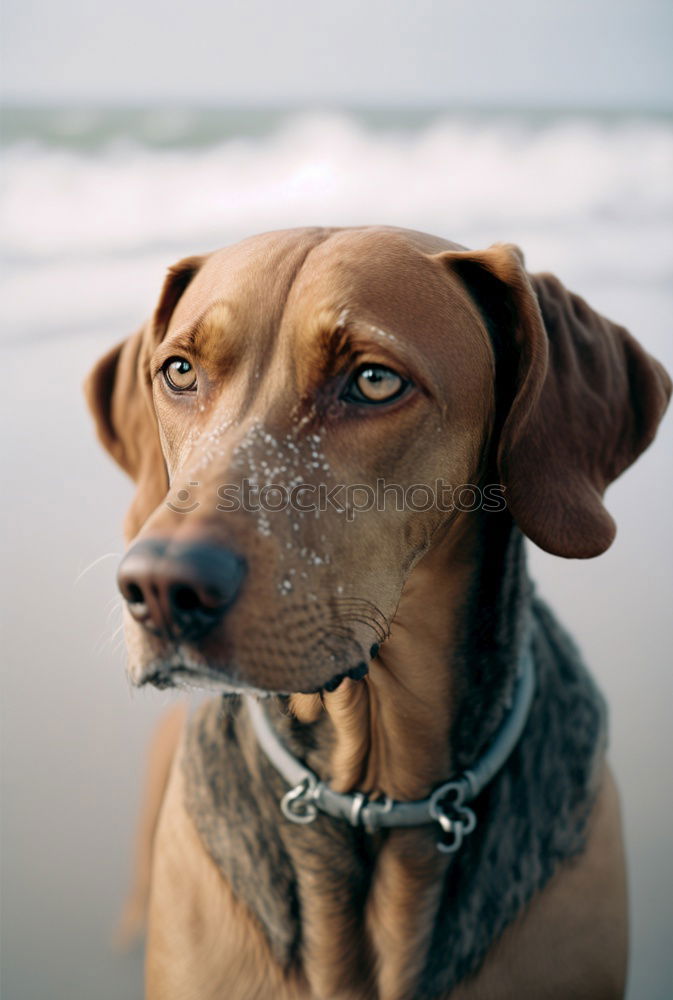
[179, 591]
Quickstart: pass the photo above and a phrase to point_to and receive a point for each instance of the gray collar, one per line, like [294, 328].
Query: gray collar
[446, 806]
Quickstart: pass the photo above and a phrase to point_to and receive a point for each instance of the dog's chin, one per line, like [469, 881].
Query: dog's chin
[181, 674]
[191, 678]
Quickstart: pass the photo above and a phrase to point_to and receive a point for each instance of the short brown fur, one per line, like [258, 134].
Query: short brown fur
[513, 377]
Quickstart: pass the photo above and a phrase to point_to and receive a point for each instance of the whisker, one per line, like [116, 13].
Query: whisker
[360, 601]
[107, 555]
[361, 610]
[116, 606]
[354, 616]
[103, 643]
[119, 645]
[361, 606]
[380, 632]
[116, 632]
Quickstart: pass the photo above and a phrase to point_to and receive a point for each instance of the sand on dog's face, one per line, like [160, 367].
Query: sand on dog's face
[275, 327]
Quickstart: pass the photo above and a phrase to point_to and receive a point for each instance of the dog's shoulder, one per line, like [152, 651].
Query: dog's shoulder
[201, 940]
[194, 915]
[573, 934]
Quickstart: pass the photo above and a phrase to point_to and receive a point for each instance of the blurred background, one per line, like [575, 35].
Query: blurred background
[136, 133]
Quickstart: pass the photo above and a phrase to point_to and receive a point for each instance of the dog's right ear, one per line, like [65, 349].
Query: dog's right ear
[577, 399]
[119, 393]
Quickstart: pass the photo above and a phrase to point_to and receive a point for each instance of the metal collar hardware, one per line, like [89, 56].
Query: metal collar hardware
[447, 806]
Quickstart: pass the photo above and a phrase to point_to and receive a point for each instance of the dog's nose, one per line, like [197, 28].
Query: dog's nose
[179, 591]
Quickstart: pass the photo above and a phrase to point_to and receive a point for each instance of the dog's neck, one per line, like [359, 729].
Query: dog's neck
[389, 733]
[352, 908]
[432, 700]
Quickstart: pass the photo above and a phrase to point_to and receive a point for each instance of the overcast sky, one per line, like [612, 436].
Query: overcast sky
[592, 53]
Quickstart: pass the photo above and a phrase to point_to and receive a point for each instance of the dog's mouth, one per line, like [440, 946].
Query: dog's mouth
[204, 678]
[201, 678]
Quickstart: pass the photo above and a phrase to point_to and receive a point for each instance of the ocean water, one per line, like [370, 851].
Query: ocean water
[94, 205]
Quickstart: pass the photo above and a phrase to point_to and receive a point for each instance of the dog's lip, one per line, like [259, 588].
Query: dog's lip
[355, 673]
[181, 675]
[165, 676]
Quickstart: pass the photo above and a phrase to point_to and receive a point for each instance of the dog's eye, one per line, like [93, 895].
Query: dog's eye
[179, 374]
[374, 384]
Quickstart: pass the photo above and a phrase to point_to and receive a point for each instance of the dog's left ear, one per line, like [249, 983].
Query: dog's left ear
[119, 393]
[578, 399]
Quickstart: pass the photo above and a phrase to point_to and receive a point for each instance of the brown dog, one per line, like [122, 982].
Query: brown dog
[386, 623]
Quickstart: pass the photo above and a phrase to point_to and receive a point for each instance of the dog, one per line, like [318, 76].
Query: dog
[340, 438]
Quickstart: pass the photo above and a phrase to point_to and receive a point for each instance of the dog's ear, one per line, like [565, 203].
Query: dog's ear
[119, 393]
[578, 399]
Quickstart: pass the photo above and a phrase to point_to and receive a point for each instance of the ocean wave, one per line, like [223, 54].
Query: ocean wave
[573, 192]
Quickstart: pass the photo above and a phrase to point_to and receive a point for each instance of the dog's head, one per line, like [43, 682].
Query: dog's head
[300, 415]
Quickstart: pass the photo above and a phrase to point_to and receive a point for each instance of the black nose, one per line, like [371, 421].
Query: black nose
[177, 590]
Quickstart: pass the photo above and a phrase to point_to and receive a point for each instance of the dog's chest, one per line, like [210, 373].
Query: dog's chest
[335, 910]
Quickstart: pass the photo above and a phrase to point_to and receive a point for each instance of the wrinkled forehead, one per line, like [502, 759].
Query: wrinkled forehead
[284, 293]
[250, 280]
[383, 283]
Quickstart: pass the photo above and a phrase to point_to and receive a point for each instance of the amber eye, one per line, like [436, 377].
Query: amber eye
[179, 375]
[374, 384]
